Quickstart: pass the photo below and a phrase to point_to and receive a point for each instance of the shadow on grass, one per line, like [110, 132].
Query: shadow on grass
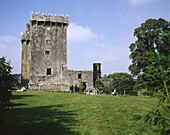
[43, 120]
[21, 96]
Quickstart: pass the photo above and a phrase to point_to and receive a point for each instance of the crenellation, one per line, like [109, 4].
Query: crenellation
[37, 13]
[22, 33]
[44, 14]
[50, 14]
[31, 13]
[45, 18]
[61, 16]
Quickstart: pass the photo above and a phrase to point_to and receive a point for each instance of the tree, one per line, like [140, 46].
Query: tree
[6, 84]
[157, 78]
[107, 89]
[149, 39]
[98, 84]
[123, 81]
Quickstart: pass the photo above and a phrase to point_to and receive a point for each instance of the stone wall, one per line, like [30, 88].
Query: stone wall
[106, 81]
[26, 56]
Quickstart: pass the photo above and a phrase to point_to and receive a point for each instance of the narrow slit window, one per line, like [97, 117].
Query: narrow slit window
[48, 71]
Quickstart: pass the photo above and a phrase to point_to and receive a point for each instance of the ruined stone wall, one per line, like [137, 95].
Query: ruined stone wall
[72, 77]
[106, 81]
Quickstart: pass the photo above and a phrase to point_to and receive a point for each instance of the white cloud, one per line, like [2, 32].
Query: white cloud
[80, 33]
[139, 2]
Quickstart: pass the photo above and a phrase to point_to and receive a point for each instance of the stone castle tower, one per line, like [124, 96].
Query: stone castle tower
[44, 55]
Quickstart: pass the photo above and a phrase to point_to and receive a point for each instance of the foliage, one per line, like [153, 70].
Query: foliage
[139, 86]
[81, 88]
[107, 89]
[144, 92]
[156, 76]
[51, 113]
[157, 79]
[122, 81]
[6, 84]
[98, 84]
[149, 39]
[159, 119]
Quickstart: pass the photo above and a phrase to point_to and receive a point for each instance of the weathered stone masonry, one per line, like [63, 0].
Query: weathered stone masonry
[44, 55]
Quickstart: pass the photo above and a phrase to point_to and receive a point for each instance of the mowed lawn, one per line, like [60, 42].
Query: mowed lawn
[50, 113]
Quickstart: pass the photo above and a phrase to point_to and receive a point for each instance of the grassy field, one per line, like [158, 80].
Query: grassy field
[48, 113]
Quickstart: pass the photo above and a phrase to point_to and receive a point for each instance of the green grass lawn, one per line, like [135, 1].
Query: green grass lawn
[49, 113]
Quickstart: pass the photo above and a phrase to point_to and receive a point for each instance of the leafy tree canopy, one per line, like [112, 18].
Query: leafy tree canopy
[122, 81]
[149, 39]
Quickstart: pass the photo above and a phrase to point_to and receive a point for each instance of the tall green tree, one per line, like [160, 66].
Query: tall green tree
[149, 39]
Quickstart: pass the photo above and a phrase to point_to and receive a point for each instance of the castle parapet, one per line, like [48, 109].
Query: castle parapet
[50, 18]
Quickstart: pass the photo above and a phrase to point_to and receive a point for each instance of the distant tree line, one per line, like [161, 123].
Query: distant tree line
[123, 83]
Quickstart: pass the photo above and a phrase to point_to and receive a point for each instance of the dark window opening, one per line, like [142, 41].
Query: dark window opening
[59, 24]
[28, 41]
[48, 71]
[47, 52]
[40, 23]
[79, 76]
[53, 23]
[23, 41]
[64, 24]
[33, 23]
[47, 24]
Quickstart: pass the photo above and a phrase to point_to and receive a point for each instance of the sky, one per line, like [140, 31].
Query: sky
[99, 30]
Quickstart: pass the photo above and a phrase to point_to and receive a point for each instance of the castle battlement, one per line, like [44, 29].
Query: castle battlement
[49, 18]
